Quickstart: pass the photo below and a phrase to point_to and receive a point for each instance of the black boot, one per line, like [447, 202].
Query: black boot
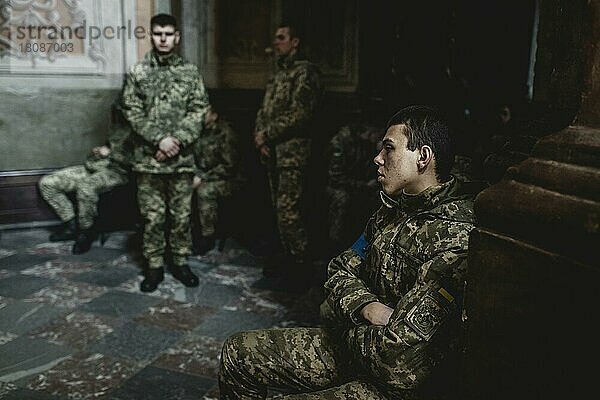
[204, 245]
[184, 275]
[153, 276]
[84, 241]
[65, 231]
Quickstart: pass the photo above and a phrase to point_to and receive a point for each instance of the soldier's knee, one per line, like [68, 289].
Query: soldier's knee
[232, 351]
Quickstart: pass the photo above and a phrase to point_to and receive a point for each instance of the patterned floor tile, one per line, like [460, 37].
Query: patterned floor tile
[52, 248]
[6, 253]
[213, 295]
[157, 384]
[6, 274]
[58, 269]
[225, 323]
[67, 294]
[17, 239]
[22, 358]
[197, 355]
[6, 337]
[119, 304]
[97, 255]
[84, 376]
[21, 261]
[26, 394]
[76, 330]
[234, 275]
[137, 342]
[172, 314]
[106, 276]
[19, 317]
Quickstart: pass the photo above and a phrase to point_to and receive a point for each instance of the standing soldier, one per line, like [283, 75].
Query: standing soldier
[283, 129]
[352, 187]
[165, 101]
[106, 167]
[216, 159]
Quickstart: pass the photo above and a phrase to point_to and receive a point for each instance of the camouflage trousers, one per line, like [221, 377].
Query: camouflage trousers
[87, 187]
[287, 194]
[162, 196]
[208, 196]
[302, 361]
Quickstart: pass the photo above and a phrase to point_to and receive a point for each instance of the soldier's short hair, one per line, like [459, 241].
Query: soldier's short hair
[294, 30]
[163, 20]
[425, 126]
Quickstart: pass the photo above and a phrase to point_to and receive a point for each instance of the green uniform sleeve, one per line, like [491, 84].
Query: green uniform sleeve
[191, 124]
[302, 106]
[346, 293]
[135, 113]
[399, 353]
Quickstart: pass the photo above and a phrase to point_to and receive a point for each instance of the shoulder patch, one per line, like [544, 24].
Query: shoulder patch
[430, 312]
[360, 247]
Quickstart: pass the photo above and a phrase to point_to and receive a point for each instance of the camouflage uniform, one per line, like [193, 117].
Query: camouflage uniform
[351, 199]
[286, 117]
[164, 96]
[98, 175]
[412, 257]
[216, 156]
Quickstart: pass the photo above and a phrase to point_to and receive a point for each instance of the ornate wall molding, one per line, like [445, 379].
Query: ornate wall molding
[67, 37]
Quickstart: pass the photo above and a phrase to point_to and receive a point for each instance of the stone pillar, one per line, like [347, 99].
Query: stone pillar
[531, 304]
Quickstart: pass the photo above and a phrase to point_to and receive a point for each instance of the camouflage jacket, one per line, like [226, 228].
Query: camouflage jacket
[412, 257]
[287, 111]
[216, 153]
[119, 142]
[350, 159]
[161, 97]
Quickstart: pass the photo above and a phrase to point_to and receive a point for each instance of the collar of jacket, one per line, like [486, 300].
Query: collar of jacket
[157, 60]
[288, 61]
[425, 200]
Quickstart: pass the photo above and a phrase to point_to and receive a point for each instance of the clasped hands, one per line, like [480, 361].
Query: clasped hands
[168, 147]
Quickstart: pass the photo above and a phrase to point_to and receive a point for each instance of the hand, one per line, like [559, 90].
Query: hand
[259, 139]
[101, 151]
[377, 313]
[160, 156]
[196, 182]
[265, 151]
[170, 146]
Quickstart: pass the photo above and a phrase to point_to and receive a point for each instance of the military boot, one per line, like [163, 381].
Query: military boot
[184, 275]
[152, 277]
[65, 231]
[84, 241]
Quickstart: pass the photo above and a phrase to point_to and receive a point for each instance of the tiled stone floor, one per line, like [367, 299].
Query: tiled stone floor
[77, 327]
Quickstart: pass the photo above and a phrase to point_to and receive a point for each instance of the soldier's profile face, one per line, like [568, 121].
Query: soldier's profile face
[397, 168]
[283, 44]
[164, 38]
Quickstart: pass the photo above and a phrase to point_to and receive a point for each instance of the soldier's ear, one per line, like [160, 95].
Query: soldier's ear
[295, 42]
[425, 157]
[177, 37]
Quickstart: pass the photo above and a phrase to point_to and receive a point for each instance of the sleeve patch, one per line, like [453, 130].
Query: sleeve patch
[429, 313]
[360, 247]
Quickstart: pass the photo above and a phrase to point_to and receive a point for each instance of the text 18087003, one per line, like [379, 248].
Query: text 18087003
[46, 47]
